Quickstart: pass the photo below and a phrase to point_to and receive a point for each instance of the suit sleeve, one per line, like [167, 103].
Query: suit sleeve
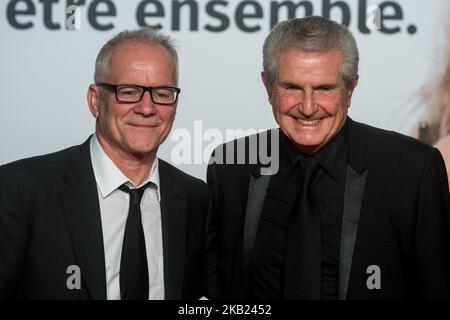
[432, 236]
[13, 234]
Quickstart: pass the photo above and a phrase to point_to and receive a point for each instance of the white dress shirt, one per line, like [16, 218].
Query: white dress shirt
[114, 205]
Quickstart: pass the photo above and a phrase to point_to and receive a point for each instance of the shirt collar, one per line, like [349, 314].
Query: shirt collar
[332, 157]
[109, 177]
[289, 153]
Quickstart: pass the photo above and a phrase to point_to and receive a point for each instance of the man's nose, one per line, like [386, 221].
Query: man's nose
[146, 106]
[308, 106]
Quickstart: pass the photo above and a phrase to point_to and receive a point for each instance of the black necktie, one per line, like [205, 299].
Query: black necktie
[133, 263]
[303, 269]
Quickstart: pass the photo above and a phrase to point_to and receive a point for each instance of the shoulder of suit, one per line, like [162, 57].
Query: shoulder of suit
[386, 141]
[179, 175]
[249, 138]
[250, 144]
[42, 165]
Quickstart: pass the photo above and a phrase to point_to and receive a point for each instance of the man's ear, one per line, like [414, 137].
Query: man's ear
[352, 87]
[267, 84]
[350, 91]
[93, 99]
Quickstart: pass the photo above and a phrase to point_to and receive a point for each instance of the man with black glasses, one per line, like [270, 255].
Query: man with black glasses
[107, 219]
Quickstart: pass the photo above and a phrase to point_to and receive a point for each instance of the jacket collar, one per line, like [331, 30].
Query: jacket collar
[82, 212]
[356, 177]
[357, 147]
[174, 221]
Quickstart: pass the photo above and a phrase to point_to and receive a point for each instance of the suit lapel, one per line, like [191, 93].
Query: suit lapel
[354, 190]
[256, 194]
[258, 183]
[173, 220]
[355, 183]
[82, 212]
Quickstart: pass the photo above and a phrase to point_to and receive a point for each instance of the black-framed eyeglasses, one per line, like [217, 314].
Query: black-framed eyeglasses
[133, 93]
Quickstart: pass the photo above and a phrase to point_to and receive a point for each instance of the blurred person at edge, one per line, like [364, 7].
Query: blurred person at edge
[434, 126]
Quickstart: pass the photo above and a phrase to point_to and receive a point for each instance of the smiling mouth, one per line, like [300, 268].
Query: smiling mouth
[309, 123]
[143, 125]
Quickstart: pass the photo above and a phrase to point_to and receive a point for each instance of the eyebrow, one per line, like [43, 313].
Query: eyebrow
[140, 85]
[328, 86]
[289, 84]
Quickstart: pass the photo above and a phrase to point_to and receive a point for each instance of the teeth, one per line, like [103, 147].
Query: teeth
[308, 122]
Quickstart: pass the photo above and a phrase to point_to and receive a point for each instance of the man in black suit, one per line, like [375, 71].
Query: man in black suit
[342, 210]
[107, 219]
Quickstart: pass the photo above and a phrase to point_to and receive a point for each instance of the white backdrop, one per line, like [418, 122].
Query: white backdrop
[44, 73]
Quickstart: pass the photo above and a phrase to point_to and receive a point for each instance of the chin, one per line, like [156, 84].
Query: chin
[306, 137]
[143, 149]
[307, 144]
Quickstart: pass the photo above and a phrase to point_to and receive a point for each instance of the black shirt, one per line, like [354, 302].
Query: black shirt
[267, 273]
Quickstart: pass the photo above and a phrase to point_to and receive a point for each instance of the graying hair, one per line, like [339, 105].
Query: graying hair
[145, 35]
[311, 34]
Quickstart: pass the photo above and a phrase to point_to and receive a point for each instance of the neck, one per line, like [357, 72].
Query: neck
[136, 167]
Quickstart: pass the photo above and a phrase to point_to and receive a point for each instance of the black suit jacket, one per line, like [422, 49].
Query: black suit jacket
[50, 219]
[396, 217]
